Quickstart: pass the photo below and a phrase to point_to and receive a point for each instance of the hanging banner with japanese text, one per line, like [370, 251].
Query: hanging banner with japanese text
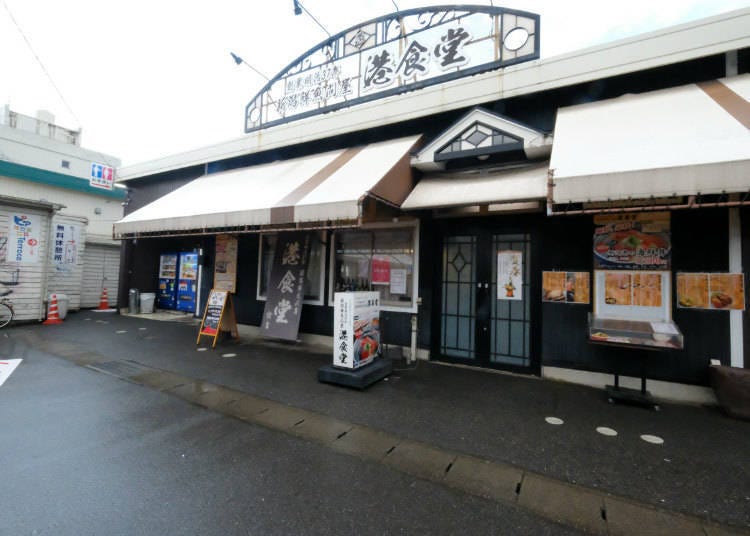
[286, 286]
[225, 264]
[23, 239]
[639, 241]
[67, 242]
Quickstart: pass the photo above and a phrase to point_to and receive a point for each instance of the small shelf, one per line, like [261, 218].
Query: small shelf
[664, 335]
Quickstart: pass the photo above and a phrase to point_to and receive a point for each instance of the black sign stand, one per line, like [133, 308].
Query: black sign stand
[218, 316]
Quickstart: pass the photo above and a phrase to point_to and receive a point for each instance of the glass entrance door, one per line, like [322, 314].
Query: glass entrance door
[480, 323]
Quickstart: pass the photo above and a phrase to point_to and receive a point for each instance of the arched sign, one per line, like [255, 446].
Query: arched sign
[393, 54]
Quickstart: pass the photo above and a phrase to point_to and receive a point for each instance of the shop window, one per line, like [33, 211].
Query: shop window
[382, 259]
[314, 280]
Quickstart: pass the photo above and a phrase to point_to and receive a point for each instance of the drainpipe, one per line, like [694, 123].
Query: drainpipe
[550, 188]
[413, 347]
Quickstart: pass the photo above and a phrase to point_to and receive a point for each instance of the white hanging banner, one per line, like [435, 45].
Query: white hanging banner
[23, 238]
[509, 275]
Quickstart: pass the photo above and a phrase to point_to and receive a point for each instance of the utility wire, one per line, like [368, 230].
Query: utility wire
[41, 64]
[104, 157]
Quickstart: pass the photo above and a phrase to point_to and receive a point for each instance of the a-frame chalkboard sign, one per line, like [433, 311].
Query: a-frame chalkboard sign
[218, 317]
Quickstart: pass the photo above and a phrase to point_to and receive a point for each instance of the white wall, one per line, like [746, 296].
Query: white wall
[77, 204]
[30, 149]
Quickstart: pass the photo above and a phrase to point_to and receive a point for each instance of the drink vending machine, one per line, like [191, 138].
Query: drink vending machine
[167, 295]
[187, 282]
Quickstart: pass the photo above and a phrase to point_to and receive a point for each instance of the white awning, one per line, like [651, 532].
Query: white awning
[688, 140]
[479, 188]
[326, 188]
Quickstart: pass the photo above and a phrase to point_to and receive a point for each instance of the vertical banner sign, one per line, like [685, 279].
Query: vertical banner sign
[225, 265]
[286, 286]
[24, 238]
[509, 275]
[632, 241]
[356, 328]
[65, 253]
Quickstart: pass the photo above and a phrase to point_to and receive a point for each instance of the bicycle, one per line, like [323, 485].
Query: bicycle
[6, 312]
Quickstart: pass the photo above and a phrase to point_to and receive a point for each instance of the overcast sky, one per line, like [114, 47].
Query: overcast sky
[144, 79]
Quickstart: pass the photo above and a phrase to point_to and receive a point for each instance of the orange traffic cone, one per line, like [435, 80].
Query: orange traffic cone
[104, 304]
[103, 301]
[53, 316]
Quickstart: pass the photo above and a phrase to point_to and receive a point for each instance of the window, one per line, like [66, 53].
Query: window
[383, 259]
[313, 274]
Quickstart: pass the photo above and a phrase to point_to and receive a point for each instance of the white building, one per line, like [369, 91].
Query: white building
[57, 207]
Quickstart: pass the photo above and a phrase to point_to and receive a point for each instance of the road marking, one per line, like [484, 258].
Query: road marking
[7, 368]
[121, 331]
[202, 349]
[606, 431]
[142, 329]
[228, 355]
[554, 420]
[655, 440]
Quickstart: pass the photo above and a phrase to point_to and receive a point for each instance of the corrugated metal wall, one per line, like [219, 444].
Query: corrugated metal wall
[66, 271]
[24, 279]
[101, 269]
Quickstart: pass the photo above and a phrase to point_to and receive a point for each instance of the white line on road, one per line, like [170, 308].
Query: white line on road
[7, 366]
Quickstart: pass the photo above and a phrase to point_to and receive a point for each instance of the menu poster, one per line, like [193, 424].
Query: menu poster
[225, 265]
[647, 289]
[727, 291]
[509, 275]
[566, 287]
[617, 288]
[711, 291]
[632, 241]
[218, 316]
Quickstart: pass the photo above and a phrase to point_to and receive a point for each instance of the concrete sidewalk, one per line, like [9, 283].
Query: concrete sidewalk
[480, 432]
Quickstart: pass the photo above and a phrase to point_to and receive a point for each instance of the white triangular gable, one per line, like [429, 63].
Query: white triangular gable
[536, 144]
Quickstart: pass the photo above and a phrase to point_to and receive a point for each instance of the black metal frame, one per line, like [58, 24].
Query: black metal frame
[389, 29]
[484, 230]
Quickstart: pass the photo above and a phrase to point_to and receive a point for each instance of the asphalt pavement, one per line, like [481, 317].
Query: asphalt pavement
[701, 470]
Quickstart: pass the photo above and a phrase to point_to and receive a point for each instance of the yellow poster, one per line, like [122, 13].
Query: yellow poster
[647, 289]
[727, 291]
[567, 287]
[617, 289]
[692, 291]
[711, 291]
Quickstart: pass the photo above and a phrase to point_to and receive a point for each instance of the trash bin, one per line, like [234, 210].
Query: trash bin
[134, 297]
[62, 304]
[147, 302]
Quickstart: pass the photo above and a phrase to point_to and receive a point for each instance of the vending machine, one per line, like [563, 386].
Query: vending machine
[167, 294]
[187, 282]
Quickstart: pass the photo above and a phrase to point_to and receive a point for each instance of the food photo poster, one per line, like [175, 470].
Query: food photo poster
[566, 287]
[711, 291]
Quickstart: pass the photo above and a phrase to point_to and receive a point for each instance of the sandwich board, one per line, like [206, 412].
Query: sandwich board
[218, 316]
